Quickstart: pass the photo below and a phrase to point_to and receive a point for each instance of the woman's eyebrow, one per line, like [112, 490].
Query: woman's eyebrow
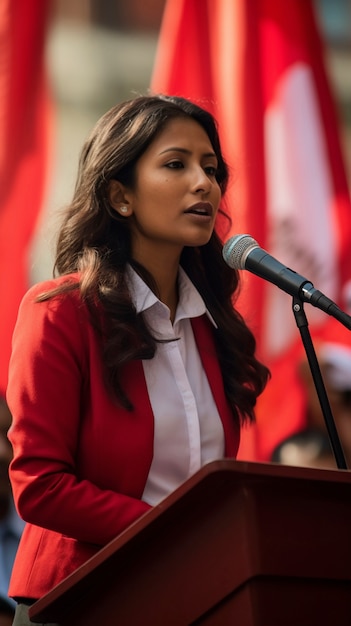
[186, 151]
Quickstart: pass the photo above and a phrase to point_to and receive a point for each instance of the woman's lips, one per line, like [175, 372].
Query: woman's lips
[202, 209]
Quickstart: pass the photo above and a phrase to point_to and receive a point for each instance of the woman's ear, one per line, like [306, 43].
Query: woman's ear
[117, 195]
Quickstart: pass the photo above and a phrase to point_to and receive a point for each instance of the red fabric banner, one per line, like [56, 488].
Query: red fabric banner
[24, 141]
[258, 66]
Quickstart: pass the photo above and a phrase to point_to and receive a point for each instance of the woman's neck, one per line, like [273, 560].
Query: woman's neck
[164, 272]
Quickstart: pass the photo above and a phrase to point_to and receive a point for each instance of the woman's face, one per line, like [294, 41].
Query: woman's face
[175, 199]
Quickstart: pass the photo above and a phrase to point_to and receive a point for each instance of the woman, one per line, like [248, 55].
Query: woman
[132, 368]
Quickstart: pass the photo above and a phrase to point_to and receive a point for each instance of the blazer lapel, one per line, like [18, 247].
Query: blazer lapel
[203, 334]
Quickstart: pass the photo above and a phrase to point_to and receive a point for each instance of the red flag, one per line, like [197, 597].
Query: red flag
[258, 66]
[24, 128]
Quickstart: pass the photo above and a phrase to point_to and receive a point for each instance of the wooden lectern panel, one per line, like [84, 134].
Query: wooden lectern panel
[239, 543]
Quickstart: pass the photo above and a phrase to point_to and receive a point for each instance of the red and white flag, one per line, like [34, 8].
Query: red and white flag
[24, 140]
[258, 66]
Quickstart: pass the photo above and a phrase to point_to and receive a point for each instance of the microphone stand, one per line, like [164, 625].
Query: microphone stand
[302, 324]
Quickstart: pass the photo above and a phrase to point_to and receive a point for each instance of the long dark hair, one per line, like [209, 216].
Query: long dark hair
[95, 242]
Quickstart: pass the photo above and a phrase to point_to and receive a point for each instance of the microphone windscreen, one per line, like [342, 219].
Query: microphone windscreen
[236, 249]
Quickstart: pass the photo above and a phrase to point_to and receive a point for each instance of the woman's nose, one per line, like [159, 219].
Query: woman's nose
[201, 182]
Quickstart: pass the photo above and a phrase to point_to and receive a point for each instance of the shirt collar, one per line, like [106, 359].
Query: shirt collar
[190, 302]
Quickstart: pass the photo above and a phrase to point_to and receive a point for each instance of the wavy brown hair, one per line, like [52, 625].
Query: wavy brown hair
[95, 242]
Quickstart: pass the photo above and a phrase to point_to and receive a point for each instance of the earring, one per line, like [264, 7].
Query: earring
[124, 209]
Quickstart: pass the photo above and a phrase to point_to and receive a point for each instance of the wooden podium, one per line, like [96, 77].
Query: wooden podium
[239, 543]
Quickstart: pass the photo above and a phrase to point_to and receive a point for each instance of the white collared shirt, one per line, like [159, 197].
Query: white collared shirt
[188, 428]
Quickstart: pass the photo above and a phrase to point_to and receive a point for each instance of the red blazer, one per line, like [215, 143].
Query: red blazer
[80, 462]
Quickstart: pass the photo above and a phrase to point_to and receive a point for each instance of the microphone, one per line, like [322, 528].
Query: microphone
[243, 252]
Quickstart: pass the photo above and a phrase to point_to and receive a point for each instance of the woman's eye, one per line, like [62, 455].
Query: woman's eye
[211, 170]
[174, 164]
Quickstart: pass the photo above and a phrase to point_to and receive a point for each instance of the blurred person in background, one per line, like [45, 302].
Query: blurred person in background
[335, 365]
[311, 446]
[11, 525]
[307, 448]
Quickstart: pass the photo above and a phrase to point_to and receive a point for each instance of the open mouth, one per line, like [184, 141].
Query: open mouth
[201, 208]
